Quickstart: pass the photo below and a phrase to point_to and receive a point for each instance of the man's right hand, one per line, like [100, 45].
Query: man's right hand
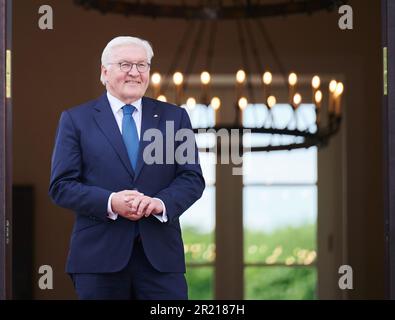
[119, 204]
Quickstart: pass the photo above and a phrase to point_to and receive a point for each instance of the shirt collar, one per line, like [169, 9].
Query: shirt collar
[117, 104]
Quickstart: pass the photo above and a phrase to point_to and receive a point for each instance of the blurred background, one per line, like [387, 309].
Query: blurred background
[283, 228]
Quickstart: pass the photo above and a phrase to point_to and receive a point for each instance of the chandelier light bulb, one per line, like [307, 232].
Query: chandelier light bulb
[205, 77]
[271, 101]
[191, 103]
[162, 98]
[243, 103]
[215, 103]
[267, 78]
[339, 89]
[240, 76]
[332, 86]
[292, 79]
[156, 78]
[178, 78]
[297, 99]
[315, 82]
[318, 96]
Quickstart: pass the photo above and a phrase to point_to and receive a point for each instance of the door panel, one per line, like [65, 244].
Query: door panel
[5, 151]
[388, 39]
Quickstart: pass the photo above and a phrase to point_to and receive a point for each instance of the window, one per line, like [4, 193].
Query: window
[279, 212]
[198, 225]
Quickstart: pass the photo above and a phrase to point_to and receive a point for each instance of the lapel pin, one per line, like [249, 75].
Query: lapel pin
[155, 115]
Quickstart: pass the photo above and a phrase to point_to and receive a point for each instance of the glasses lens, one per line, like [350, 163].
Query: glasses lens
[142, 67]
[125, 67]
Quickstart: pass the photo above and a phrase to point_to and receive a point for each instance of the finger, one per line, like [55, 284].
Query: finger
[143, 205]
[132, 214]
[129, 199]
[135, 203]
[149, 209]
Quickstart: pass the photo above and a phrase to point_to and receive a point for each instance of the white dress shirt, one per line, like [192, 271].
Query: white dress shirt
[116, 107]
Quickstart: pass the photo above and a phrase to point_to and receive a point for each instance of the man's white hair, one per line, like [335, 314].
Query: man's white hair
[123, 41]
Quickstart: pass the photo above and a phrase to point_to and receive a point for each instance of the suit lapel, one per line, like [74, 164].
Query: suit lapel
[107, 123]
[150, 120]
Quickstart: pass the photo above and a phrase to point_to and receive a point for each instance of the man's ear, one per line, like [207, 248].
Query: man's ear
[104, 71]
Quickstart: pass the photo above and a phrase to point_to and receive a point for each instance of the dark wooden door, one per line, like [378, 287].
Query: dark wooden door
[388, 36]
[5, 151]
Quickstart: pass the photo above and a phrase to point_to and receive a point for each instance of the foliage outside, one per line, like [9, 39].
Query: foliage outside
[289, 255]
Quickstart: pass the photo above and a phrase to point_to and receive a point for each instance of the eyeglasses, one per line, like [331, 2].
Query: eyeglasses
[127, 66]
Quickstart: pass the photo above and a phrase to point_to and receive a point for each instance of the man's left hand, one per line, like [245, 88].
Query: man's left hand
[145, 206]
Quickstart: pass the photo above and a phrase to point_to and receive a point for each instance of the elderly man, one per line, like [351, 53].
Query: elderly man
[126, 242]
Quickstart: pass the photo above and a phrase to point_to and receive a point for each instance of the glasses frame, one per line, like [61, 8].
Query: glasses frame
[132, 64]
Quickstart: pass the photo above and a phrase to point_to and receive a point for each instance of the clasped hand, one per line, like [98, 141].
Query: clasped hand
[134, 205]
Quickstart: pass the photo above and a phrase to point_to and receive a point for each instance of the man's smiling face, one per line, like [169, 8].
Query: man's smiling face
[126, 86]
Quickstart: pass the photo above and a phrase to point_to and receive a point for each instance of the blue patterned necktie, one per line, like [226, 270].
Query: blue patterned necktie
[129, 134]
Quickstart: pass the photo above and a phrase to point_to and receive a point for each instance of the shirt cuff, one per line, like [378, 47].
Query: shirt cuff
[161, 217]
[110, 214]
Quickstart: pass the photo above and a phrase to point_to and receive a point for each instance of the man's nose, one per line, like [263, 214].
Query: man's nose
[133, 71]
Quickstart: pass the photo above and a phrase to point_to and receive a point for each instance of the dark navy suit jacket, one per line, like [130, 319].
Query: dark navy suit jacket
[90, 162]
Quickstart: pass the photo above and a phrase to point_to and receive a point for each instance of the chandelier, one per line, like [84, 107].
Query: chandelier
[255, 105]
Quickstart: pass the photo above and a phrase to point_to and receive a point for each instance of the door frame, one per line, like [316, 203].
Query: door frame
[5, 151]
[388, 120]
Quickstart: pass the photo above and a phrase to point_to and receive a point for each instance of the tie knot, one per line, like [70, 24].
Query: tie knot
[128, 109]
